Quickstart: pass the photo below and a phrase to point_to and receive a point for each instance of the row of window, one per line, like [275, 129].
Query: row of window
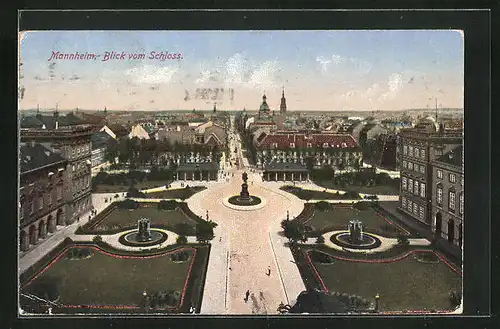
[451, 200]
[413, 207]
[414, 151]
[309, 145]
[452, 178]
[42, 201]
[81, 184]
[414, 166]
[413, 186]
[81, 149]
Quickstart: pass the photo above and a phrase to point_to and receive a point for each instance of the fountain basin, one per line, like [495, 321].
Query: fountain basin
[243, 207]
[134, 239]
[251, 200]
[366, 241]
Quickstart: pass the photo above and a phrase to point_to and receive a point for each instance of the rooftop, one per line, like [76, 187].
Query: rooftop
[453, 157]
[34, 156]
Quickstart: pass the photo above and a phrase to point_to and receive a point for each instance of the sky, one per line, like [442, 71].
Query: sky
[319, 70]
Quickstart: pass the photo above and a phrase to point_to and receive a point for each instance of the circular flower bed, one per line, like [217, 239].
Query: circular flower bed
[157, 236]
[369, 241]
[235, 200]
[426, 257]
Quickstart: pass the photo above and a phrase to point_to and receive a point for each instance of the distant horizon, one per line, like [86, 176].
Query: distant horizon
[359, 70]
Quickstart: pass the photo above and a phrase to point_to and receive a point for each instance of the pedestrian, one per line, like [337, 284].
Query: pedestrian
[269, 271]
[220, 239]
[78, 219]
[90, 216]
[247, 294]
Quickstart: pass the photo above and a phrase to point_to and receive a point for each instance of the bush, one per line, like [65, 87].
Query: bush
[97, 239]
[181, 239]
[351, 195]
[168, 205]
[321, 257]
[320, 239]
[165, 298]
[135, 193]
[361, 206]
[323, 206]
[180, 256]
[403, 240]
[128, 204]
[79, 253]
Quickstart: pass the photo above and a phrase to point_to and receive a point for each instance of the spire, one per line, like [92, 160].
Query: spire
[436, 110]
[215, 107]
[283, 102]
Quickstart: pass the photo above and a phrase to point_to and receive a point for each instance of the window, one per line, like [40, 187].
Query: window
[49, 195]
[461, 206]
[415, 208]
[415, 188]
[421, 212]
[410, 185]
[410, 165]
[59, 192]
[440, 174]
[21, 210]
[410, 151]
[40, 202]
[410, 204]
[422, 190]
[403, 203]
[405, 149]
[451, 201]
[325, 145]
[32, 206]
[403, 183]
[405, 164]
[417, 152]
[422, 154]
[422, 169]
[452, 178]
[439, 196]
[439, 152]
[73, 167]
[462, 181]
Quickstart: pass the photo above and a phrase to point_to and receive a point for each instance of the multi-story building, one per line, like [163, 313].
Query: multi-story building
[100, 142]
[419, 147]
[448, 197]
[72, 143]
[316, 150]
[42, 202]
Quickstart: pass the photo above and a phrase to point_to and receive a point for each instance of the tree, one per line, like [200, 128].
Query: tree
[181, 239]
[295, 232]
[205, 231]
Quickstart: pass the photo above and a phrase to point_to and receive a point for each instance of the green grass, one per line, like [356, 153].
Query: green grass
[339, 218]
[178, 193]
[306, 194]
[106, 280]
[380, 189]
[402, 285]
[126, 218]
[101, 188]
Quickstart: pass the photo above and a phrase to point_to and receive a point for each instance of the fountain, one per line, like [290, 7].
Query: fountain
[355, 238]
[144, 235]
[244, 199]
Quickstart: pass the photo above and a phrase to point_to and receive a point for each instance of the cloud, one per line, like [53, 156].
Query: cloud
[151, 74]
[238, 70]
[335, 64]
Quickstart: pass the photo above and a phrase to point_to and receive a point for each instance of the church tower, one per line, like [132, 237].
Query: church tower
[283, 103]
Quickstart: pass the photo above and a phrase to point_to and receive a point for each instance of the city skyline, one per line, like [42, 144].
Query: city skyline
[320, 70]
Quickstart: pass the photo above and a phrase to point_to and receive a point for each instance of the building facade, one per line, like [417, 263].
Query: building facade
[448, 196]
[73, 144]
[419, 147]
[42, 201]
[315, 150]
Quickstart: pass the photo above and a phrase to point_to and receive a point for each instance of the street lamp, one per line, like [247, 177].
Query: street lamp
[377, 298]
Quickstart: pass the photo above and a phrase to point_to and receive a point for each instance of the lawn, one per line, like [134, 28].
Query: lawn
[306, 194]
[106, 280]
[402, 285]
[104, 188]
[339, 217]
[167, 219]
[178, 193]
[377, 189]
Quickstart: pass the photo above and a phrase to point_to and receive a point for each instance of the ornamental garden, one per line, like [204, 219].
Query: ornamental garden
[100, 275]
[406, 273]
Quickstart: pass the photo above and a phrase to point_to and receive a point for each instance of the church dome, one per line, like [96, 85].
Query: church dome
[264, 106]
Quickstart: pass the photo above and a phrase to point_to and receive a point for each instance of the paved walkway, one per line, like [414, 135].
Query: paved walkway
[36, 252]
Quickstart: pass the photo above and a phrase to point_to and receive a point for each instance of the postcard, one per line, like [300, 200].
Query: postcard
[266, 172]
